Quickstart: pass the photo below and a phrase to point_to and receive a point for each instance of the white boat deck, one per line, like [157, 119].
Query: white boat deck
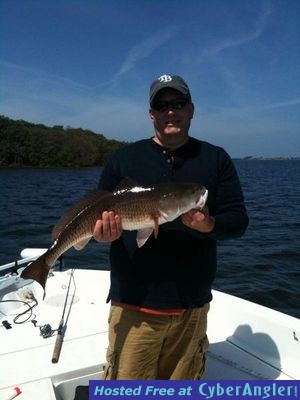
[253, 341]
[247, 341]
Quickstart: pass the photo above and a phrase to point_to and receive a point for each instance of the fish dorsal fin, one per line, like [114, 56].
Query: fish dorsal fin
[88, 200]
[126, 184]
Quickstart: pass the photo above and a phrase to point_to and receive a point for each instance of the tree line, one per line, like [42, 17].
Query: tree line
[24, 144]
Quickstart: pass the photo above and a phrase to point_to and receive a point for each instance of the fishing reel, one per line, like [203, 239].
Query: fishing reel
[46, 330]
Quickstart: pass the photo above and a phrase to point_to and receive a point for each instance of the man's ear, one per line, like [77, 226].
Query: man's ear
[151, 114]
[191, 109]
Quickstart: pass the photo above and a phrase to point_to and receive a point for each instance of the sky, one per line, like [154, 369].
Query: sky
[89, 64]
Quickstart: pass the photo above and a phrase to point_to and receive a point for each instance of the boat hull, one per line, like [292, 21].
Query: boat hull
[247, 341]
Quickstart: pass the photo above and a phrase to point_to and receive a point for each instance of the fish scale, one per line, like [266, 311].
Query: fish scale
[138, 212]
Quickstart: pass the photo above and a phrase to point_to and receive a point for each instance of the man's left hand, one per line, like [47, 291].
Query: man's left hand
[200, 220]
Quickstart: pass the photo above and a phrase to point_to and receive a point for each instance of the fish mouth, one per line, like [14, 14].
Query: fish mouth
[202, 200]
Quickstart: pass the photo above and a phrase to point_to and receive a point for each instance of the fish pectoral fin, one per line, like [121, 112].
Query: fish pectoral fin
[143, 235]
[156, 224]
[80, 245]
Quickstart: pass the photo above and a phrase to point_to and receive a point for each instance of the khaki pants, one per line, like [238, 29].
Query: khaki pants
[144, 346]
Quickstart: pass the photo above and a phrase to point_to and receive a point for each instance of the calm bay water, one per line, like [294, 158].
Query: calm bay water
[263, 266]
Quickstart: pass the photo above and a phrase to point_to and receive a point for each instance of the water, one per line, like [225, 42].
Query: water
[263, 266]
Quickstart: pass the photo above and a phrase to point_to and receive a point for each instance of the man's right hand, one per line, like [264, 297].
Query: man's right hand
[108, 228]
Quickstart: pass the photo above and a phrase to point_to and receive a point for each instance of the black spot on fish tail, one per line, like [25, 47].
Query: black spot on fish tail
[38, 271]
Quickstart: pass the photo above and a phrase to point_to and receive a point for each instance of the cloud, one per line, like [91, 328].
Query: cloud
[32, 73]
[145, 49]
[258, 28]
[251, 109]
[286, 103]
[113, 117]
[244, 133]
[39, 97]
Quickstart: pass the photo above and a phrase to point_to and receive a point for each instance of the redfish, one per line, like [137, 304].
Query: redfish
[140, 208]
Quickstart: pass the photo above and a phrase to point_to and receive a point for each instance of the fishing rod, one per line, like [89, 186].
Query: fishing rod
[60, 329]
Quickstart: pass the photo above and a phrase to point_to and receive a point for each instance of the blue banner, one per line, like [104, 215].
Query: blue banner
[194, 390]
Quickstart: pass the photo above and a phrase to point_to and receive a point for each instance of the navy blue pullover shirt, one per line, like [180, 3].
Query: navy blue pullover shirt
[177, 269]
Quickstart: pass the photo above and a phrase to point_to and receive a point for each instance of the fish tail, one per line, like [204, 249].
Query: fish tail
[38, 271]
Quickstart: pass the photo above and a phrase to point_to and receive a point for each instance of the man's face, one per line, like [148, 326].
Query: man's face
[171, 122]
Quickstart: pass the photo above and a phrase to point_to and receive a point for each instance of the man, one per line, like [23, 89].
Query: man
[160, 293]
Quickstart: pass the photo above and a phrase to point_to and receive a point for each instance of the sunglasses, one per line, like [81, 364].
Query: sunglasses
[177, 104]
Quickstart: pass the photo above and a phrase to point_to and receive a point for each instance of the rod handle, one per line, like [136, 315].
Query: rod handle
[58, 345]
